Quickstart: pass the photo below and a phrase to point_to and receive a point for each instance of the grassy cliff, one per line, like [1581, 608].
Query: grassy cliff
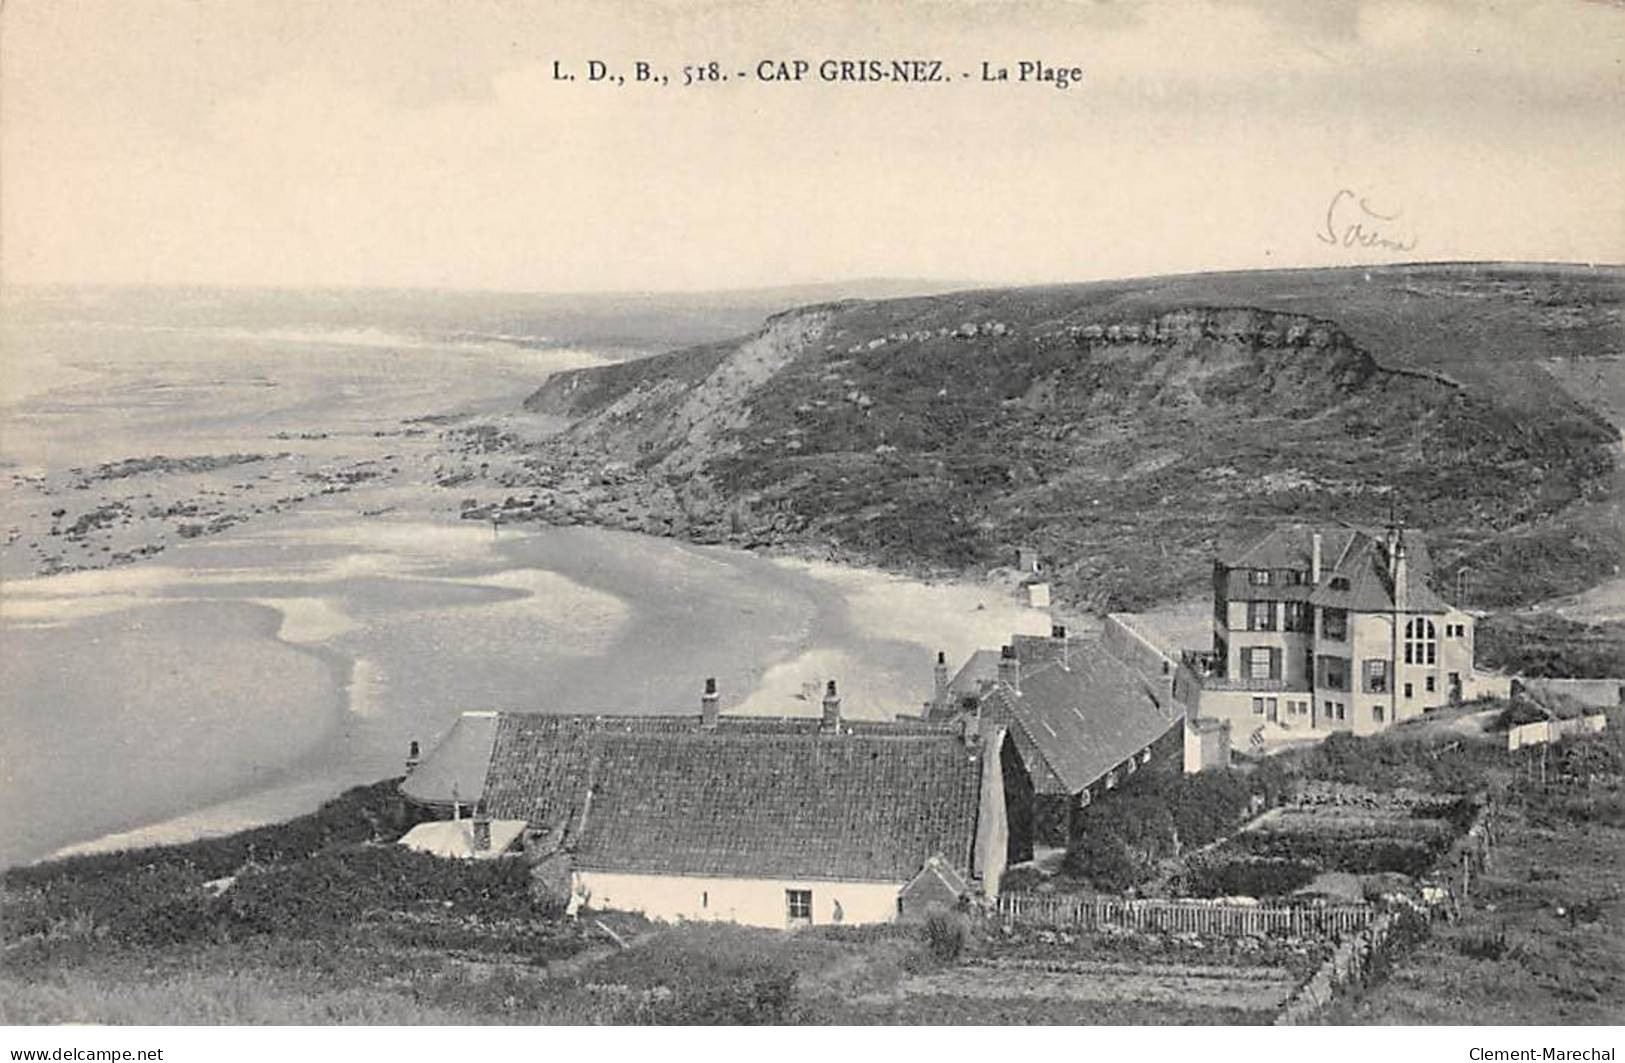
[1126, 428]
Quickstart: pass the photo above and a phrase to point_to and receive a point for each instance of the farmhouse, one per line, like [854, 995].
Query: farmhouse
[1080, 719]
[1325, 629]
[776, 822]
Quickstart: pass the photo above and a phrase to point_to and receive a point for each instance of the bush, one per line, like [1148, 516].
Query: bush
[944, 934]
[1483, 946]
[1101, 858]
[763, 998]
[1268, 877]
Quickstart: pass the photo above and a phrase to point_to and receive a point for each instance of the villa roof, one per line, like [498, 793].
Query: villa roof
[756, 796]
[1077, 715]
[1358, 554]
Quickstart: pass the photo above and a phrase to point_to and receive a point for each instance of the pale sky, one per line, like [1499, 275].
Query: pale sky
[425, 142]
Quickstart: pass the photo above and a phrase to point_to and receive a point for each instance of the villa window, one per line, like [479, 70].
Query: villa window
[1262, 662]
[1334, 624]
[1334, 673]
[1407, 690]
[1297, 616]
[1428, 684]
[1258, 706]
[1421, 646]
[1376, 676]
[1260, 616]
[1376, 713]
[798, 904]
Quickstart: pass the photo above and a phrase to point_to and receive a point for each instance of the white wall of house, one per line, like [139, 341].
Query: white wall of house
[750, 901]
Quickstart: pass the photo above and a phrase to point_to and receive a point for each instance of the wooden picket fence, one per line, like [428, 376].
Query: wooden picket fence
[1234, 920]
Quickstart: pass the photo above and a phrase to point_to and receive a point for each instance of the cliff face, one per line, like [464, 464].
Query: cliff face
[1122, 438]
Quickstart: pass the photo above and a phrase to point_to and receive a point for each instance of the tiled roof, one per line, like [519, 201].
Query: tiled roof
[1077, 718]
[1356, 553]
[847, 806]
[979, 668]
[756, 796]
[455, 769]
[454, 838]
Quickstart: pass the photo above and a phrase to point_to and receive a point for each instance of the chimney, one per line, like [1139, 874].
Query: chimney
[1401, 589]
[832, 709]
[1314, 560]
[414, 756]
[941, 679]
[1010, 668]
[710, 703]
[482, 829]
[1058, 633]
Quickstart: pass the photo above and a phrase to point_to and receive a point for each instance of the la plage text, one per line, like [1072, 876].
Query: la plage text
[796, 71]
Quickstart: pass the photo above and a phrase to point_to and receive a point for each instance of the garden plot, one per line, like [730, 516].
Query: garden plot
[1252, 989]
[1346, 831]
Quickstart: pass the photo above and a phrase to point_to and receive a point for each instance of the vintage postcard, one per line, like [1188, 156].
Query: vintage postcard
[952, 513]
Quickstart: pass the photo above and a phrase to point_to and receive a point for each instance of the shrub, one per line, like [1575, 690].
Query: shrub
[1269, 877]
[944, 934]
[1101, 858]
[762, 998]
[1483, 946]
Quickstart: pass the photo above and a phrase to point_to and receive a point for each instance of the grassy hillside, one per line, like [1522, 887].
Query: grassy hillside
[1125, 428]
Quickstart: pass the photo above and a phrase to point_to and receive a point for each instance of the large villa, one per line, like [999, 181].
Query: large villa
[1318, 630]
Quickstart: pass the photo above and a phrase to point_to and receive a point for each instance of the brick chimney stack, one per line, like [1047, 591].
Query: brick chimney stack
[1314, 560]
[1058, 633]
[941, 675]
[1010, 668]
[414, 756]
[832, 709]
[710, 705]
[482, 829]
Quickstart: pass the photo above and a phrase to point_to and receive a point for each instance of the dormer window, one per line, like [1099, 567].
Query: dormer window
[1260, 577]
[1339, 583]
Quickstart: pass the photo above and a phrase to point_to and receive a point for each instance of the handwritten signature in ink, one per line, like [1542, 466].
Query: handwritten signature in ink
[1351, 221]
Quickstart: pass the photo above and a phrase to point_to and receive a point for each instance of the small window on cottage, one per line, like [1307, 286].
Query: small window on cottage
[798, 904]
[705, 899]
[1376, 713]
[1261, 577]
